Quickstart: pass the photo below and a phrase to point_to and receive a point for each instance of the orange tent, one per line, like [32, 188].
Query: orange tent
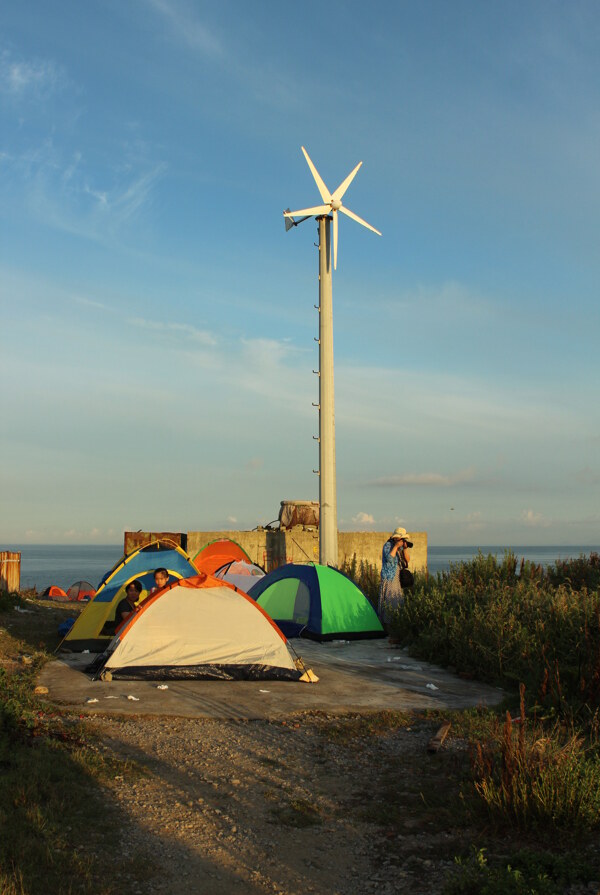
[218, 553]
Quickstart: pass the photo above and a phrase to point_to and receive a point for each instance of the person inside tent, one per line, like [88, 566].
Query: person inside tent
[127, 606]
[161, 579]
[394, 557]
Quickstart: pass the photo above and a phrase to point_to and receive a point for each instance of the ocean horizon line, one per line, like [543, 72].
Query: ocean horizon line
[436, 545]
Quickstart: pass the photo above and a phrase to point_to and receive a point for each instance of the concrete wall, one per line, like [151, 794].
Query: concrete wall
[271, 549]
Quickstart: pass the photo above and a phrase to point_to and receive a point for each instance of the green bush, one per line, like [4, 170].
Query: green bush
[505, 624]
[580, 573]
[8, 600]
[528, 873]
[365, 575]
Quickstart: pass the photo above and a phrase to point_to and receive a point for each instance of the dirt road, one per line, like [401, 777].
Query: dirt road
[313, 804]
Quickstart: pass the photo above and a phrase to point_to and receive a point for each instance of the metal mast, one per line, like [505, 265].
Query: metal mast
[328, 531]
[325, 214]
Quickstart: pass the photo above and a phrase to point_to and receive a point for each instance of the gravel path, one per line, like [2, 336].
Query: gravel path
[216, 807]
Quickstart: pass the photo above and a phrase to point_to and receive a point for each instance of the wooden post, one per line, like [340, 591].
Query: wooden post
[436, 742]
[10, 571]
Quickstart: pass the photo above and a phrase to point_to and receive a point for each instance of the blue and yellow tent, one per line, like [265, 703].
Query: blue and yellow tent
[94, 628]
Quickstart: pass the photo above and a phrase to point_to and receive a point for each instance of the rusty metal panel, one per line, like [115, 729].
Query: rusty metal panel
[135, 539]
[10, 571]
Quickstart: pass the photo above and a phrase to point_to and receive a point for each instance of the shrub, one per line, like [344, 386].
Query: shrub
[529, 778]
[366, 577]
[580, 573]
[528, 873]
[505, 624]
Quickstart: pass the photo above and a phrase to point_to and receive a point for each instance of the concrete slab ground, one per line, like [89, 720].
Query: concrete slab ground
[363, 675]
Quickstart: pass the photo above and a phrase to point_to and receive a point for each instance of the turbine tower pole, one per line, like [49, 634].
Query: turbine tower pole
[325, 214]
[328, 532]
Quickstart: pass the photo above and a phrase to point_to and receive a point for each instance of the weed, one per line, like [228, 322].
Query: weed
[504, 623]
[51, 774]
[525, 873]
[531, 778]
[365, 575]
[352, 726]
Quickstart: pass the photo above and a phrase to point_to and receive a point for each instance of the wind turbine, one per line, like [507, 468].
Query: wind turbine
[325, 214]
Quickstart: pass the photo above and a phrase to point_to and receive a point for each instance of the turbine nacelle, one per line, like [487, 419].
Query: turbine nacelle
[332, 203]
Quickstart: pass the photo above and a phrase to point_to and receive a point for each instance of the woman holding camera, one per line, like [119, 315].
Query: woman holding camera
[394, 557]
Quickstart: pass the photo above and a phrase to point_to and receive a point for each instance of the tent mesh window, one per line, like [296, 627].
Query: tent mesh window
[301, 604]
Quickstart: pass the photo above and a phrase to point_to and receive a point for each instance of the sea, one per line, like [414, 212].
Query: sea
[43, 565]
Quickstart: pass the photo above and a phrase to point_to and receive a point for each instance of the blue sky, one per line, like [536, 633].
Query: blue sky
[157, 321]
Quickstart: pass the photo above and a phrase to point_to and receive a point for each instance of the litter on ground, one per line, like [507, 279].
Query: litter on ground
[431, 687]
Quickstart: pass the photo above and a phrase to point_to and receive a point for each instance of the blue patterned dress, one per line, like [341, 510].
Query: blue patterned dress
[391, 597]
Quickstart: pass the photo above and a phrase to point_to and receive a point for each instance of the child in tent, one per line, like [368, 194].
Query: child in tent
[127, 606]
[161, 579]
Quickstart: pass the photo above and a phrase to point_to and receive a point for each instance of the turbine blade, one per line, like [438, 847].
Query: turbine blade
[346, 183]
[318, 209]
[356, 218]
[335, 238]
[325, 194]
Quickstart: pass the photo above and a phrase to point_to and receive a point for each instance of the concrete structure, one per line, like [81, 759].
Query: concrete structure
[361, 676]
[273, 548]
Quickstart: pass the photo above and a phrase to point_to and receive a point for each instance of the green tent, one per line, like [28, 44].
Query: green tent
[317, 602]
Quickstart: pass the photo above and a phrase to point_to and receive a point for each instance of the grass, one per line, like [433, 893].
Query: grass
[353, 726]
[523, 794]
[534, 773]
[508, 623]
[528, 873]
[56, 815]
[365, 575]
[529, 777]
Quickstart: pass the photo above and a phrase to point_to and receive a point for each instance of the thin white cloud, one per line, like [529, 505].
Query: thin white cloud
[265, 81]
[181, 330]
[90, 302]
[63, 192]
[427, 479]
[450, 299]
[21, 77]
[187, 27]
[363, 519]
[126, 202]
[535, 520]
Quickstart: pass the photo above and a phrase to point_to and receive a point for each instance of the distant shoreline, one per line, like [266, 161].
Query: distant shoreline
[43, 565]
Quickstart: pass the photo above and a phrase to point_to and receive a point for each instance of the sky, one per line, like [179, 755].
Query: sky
[157, 323]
